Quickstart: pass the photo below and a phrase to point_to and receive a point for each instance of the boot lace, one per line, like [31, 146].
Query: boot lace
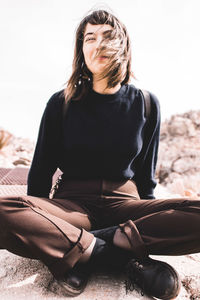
[133, 278]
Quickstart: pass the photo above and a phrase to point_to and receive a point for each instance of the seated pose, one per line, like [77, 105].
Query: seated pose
[103, 211]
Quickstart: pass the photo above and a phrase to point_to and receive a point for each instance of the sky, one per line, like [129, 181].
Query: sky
[37, 41]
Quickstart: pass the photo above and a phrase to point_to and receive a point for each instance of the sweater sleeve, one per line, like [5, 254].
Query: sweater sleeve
[146, 163]
[44, 163]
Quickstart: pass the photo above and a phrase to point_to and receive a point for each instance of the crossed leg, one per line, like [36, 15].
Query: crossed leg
[55, 232]
[161, 227]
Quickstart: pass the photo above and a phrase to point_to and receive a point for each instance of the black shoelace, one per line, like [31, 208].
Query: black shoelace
[133, 281]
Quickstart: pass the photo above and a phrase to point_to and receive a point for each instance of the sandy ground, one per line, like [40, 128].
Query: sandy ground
[22, 278]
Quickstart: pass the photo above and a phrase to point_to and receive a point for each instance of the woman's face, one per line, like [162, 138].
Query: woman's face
[93, 36]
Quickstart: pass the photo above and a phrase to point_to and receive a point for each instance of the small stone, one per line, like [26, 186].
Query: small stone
[21, 162]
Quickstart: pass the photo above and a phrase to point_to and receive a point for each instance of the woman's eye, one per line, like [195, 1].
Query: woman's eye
[90, 39]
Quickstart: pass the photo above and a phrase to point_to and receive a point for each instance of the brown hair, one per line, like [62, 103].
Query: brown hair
[117, 45]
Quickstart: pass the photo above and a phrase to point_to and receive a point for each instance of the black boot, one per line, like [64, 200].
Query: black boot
[154, 278]
[103, 254]
[75, 281]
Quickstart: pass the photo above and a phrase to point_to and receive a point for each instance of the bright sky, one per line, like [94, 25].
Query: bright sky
[37, 40]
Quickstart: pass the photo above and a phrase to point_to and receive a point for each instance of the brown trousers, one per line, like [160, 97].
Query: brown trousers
[56, 231]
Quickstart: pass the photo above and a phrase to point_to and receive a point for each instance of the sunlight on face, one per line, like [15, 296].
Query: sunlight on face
[93, 37]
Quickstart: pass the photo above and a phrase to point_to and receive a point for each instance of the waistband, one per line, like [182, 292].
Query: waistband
[97, 187]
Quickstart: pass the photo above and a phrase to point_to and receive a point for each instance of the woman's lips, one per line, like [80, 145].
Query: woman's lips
[102, 57]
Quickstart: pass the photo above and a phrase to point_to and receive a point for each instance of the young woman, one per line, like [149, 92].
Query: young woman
[103, 210]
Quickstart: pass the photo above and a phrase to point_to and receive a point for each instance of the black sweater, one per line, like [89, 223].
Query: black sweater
[101, 136]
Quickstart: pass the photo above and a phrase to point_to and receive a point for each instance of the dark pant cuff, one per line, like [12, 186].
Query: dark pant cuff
[61, 266]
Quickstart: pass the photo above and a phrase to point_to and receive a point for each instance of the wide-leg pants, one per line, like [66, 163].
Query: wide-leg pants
[57, 231]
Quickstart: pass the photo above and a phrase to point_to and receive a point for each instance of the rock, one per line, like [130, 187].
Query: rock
[193, 116]
[17, 151]
[181, 126]
[179, 154]
[21, 161]
[184, 164]
[5, 137]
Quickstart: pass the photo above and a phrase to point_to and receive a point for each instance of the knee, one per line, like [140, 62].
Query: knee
[3, 200]
[3, 213]
[7, 204]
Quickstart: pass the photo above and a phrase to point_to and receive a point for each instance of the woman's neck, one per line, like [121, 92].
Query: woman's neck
[100, 86]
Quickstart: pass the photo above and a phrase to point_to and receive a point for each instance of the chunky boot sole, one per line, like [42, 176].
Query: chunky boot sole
[154, 278]
[70, 291]
[75, 281]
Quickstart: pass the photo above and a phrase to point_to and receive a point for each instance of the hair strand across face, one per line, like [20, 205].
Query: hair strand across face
[116, 44]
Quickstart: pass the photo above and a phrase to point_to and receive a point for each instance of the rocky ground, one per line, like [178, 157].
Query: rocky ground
[177, 174]
[22, 278]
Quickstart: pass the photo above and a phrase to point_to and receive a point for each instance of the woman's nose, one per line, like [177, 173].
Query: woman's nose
[98, 43]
